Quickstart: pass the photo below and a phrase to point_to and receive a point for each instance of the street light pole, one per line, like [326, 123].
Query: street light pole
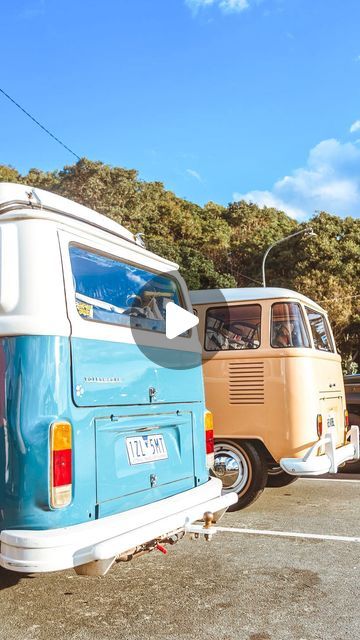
[308, 230]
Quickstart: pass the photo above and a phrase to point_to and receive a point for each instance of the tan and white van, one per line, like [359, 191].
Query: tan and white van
[273, 381]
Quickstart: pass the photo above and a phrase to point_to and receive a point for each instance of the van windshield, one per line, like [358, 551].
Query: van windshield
[233, 327]
[287, 326]
[320, 330]
[112, 291]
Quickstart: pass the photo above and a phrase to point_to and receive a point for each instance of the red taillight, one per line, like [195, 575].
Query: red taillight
[61, 464]
[62, 472]
[209, 441]
[319, 425]
[346, 416]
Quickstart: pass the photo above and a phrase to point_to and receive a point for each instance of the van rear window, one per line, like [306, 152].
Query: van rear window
[115, 292]
[320, 330]
[233, 327]
[287, 326]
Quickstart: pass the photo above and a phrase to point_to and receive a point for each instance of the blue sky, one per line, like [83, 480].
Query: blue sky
[218, 99]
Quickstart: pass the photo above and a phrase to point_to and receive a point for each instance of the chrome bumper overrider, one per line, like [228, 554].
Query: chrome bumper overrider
[313, 465]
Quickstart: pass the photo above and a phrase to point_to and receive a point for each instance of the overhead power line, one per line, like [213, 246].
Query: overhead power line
[38, 123]
[250, 279]
[342, 298]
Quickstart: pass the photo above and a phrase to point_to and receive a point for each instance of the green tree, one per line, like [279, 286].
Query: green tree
[9, 174]
[252, 230]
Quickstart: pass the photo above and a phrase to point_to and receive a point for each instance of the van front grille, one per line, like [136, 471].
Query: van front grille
[246, 383]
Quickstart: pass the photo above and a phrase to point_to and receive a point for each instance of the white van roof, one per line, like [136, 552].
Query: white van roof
[18, 196]
[246, 294]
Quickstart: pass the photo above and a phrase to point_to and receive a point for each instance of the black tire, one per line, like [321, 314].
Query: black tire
[350, 467]
[279, 478]
[242, 469]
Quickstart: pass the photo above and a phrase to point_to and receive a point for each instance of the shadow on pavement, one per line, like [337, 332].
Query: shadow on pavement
[11, 578]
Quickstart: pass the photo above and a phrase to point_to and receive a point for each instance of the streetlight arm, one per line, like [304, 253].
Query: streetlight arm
[297, 233]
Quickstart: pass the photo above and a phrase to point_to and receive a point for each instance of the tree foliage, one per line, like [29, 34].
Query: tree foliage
[218, 246]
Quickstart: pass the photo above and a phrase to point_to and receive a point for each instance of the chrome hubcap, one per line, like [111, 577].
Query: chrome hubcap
[231, 467]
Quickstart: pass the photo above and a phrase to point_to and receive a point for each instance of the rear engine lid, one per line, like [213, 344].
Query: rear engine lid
[332, 410]
[141, 459]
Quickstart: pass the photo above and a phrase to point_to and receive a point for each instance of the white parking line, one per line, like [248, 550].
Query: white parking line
[312, 479]
[289, 534]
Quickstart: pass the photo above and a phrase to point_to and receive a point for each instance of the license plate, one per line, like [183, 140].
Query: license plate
[331, 420]
[142, 449]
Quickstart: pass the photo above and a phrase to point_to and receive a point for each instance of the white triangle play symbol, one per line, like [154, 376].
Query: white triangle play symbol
[178, 320]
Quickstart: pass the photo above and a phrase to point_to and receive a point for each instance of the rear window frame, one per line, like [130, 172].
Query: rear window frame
[305, 325]
[222, 306]
[105, 254]
[327, 327]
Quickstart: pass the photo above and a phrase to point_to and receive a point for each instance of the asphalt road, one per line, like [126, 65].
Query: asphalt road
[237, 587]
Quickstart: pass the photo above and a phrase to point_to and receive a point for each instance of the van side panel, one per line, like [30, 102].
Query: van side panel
[34, 371]
[36, 390]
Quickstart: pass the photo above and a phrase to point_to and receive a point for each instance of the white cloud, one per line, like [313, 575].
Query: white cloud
[194, 174]
[227, 6]
[230, 6]
[329, 181]
[355, 126]
[269, 199]
[195, 5]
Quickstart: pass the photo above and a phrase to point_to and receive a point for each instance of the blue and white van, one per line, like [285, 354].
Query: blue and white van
[104, 452]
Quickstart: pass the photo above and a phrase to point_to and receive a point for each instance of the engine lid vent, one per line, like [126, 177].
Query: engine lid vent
[246, 383]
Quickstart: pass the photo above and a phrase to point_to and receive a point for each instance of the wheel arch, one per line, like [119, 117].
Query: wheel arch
[256, 442]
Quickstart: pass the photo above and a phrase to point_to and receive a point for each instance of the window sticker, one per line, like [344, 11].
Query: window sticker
[84, 309]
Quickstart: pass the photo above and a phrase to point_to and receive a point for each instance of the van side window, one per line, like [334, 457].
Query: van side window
[287, 326]
[233, 327]
[111, 291]
[320, 330]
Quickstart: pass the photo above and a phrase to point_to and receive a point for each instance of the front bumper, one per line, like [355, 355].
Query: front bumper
[313, 465]
[30, 551]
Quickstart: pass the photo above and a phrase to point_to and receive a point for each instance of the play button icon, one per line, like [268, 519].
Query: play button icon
[178, 320]
[163, 326]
